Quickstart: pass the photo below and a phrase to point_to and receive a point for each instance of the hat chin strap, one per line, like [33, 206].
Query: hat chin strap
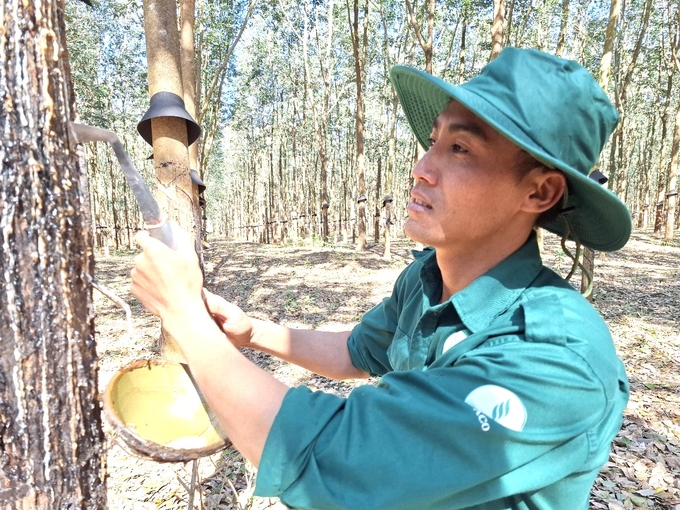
[575, 258]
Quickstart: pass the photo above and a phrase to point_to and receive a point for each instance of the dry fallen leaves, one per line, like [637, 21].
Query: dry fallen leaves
[637, 290]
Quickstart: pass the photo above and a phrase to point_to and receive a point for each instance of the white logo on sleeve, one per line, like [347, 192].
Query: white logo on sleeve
[498, 404]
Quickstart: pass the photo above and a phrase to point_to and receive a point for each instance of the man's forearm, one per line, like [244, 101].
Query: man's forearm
[244, 397]
[323, 352]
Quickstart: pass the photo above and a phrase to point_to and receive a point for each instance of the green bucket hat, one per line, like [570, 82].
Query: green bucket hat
[550, 107]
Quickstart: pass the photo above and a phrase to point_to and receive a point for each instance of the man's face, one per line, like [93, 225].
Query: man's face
[468, 193]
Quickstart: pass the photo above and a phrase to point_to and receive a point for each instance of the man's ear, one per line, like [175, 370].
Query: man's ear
[546, 188]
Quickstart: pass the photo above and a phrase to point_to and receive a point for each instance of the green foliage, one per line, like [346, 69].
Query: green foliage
[260, 104]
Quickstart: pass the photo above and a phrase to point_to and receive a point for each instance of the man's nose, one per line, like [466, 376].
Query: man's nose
[425, 168]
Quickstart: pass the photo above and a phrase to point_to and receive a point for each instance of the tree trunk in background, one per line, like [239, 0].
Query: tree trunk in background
[645, 162]
[508, 23]
[51, 442]
[187, 52]
[114, 209]
[321, 121]
[497, 28]
[672, 194]
[378, 191]
[169, 134]
[621, 100]
[605, 70]
[426, 43]
[661, 183]
[672, 176]
[387, 255]
[461, 53]
[607, 51]
[392, 107]
[563, 28]
[360, 46]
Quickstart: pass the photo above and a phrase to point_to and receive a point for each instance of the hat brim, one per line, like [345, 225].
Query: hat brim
[596, 218]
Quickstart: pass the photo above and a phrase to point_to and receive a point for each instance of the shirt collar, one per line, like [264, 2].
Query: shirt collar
[491, 294]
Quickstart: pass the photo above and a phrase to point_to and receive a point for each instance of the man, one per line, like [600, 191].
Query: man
[500, 387]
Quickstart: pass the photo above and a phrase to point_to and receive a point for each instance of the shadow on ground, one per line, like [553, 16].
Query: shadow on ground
[637, 290]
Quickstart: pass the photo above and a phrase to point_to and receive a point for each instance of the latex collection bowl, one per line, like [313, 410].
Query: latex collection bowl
[157, 409]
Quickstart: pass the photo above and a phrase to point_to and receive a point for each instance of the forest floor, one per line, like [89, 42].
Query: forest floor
[637, 290]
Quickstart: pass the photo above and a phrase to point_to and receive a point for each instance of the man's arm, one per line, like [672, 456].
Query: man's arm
[245, 398]
[323, 352]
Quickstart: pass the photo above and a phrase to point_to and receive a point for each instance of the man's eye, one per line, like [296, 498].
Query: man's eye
[457, 148]
[430, 142]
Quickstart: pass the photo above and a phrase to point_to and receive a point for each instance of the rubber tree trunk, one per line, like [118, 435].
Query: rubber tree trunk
[51, 440]
[605, 71]
[189, 86]
[360, 46]
[387, 254]
[169, 134]
[176, 193]
[497, 28]
[425, 37]
[672, 180]
[672, 176]
[562, 37]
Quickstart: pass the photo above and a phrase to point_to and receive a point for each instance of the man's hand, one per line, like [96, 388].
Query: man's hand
[234, 322]
[167, 282]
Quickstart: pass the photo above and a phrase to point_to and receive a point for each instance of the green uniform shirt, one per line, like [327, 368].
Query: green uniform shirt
[507, 396]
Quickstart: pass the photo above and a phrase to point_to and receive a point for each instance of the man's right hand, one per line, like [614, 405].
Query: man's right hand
[230, 318]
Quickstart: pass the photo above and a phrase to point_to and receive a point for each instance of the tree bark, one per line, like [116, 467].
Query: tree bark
[563, 28]
[672, 176]
[620, 180]
[176, 194]
[672, 195]
[321, 121]
[605, 70]
[187, 52]
[360, 46]
[497, 28]
[169, 134]
[51, 442]
[426, 43]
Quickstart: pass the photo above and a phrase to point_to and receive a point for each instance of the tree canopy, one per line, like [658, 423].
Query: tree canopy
[277, 96]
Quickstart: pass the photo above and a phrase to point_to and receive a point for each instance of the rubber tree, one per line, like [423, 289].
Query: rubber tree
[189, 85]
[324, 49]
[605, 71]
[360, 47]
[177, 195]
[672, 175]
[497, 28]
[424, 32]
[51, 441]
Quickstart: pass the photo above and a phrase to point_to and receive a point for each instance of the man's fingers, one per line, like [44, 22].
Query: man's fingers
[215, 304]
[181, 237]
[141, 238]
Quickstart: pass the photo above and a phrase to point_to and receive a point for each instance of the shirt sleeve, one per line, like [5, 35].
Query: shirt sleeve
[368, 343]
[371, 338]
[448, 437]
